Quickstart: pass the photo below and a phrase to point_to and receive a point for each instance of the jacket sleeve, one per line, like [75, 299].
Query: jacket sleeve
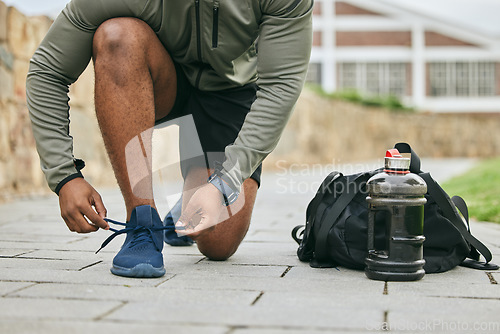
[284, 49]
[58, 62]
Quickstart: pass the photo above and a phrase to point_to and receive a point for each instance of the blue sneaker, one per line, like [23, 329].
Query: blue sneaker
[140, 255]
[170, 236]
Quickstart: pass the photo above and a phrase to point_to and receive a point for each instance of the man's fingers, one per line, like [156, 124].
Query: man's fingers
[182, 228]
[81, 225]
[77, 200]
[188, 222]
[194, 227]
[99, 206]
[69, 223]
[95, 218]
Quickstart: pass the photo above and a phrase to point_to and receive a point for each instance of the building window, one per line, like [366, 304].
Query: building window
[462, 79]
[374, 78]
[314, 73]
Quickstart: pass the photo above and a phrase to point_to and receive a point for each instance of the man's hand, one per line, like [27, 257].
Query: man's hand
[203, 211]
[79, 201]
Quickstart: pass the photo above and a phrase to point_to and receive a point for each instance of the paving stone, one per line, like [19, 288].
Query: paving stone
[9, 252]
[88, 255]
[495, 251]
[464, 275]
[210, 298]
[496, 277]
[294, 330]
[171, 260]
[226, 269]
[491, 229]
[188, 250]
[39, 238]
[443, 314]
[294, 315]
[73, 242]
[184, 265]
[271, 254]
[19, 245]
[224, 282]
[86, 327]
[37, 227]
[441, 289]
[98, 274]
[330, 274]
[39, 208]
[92, 242]
[273, 284]
[47, 264]
[27, 308]
[9, 287]
[269, 236]
[332, 299]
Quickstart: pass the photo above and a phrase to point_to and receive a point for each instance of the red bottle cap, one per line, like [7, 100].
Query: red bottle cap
[396, 163]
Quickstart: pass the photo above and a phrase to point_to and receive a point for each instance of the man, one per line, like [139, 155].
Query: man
[154, 61]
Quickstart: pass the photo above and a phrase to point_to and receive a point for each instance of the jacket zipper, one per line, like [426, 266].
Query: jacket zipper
[198, 28]
[198, 41]
[215, 27]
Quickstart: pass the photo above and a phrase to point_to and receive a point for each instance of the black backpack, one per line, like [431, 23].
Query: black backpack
[337, 222]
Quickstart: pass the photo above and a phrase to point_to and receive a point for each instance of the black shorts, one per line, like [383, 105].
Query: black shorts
[218, 117]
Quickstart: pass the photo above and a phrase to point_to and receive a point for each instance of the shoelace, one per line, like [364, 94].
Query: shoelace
[141, 233]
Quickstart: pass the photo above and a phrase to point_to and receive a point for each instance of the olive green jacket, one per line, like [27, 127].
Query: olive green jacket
[214, 41]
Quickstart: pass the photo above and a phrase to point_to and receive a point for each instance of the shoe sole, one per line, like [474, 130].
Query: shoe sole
[142, 270]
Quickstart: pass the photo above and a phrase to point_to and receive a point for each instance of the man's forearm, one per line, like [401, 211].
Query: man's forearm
[284, 51]
[61, 58]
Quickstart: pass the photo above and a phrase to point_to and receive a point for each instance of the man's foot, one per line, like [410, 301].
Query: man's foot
[170, 236]
[140, 255]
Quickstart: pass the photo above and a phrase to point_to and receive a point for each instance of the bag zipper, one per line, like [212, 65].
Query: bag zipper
[215, 27]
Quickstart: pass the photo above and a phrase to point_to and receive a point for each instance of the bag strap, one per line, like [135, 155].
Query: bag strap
[462, 207]
[313, 206]
[320, 193]
[473, 262]
[320, 252]
[414, 161]
[450, 212]
[296, 235]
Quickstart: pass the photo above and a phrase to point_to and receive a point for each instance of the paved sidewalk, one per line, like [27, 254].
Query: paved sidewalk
[52, 282]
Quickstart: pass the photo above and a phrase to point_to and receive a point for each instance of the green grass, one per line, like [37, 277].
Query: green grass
[390, 102]
[480, 188]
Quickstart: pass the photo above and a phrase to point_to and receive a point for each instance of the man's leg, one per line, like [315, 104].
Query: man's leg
[222, 240]
[135, 83]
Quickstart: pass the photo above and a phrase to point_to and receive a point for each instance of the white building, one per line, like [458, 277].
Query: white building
[430, 56]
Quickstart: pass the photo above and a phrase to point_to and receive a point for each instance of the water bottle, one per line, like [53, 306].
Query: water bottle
[398, 196]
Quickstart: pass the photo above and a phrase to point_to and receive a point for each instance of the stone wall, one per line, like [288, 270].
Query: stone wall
[323, 130]
[18, 39]
[19, 163]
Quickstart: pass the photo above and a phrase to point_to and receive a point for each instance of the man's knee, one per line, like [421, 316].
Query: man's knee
[219, 253]
[120, 35]
[221, 241]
